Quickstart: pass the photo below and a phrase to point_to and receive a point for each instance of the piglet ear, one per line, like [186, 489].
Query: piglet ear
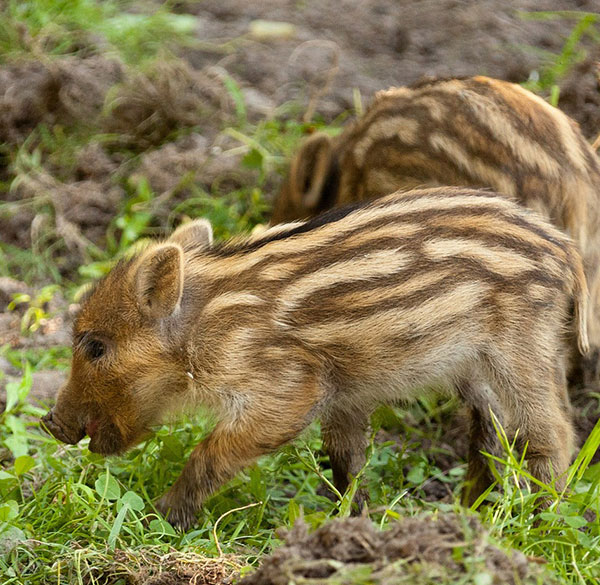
[159, 280]
[309, 171]
[196, 233]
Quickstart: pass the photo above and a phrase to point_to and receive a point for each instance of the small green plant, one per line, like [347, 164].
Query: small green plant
[558, 65]
[125, 234]
[36, 312]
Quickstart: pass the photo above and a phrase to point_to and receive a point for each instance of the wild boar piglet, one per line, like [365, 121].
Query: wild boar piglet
[477, 132]
[439, 288]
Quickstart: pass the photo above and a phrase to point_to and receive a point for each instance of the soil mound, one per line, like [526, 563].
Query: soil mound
[444, 549]
[147, 108]
[54, 92]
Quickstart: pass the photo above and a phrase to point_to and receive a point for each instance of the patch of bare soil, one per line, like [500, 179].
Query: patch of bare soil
[580, 95]
[586, 413]
[338, 46]
[54, 330]
[191, 159]
[44, 387]
[441, 549]
[148, 108]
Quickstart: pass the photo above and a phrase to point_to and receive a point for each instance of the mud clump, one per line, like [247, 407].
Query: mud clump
[150, 568]
[443, 549]
[94, 163]
[148, 107]
[63, 91]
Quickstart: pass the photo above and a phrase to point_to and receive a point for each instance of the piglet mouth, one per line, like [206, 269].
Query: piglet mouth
[105, 437]
[92, 427]
[63, 432]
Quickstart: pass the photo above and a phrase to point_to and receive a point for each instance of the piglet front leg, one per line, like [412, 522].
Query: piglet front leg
[207, 468]
[219, 458]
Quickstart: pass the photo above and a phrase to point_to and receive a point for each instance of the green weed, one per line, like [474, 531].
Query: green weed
[558, 65]
[59, 27]
[36, 307]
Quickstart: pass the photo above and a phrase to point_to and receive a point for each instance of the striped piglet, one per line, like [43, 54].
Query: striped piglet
[439, 288]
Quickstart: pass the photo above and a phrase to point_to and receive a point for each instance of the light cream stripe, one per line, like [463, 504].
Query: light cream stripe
[397, 230]
[405, 128]
[231, 299]
[370, 265]
[496, 259]
[283, 270]
[488, 174]
[436, 109]
[276, 229]
[415, 320]
[403, 289]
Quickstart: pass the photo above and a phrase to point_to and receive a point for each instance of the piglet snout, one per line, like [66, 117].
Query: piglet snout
[58, 428]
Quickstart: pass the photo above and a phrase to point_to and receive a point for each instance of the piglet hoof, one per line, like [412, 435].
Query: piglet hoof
[360, 504]
[179, 516]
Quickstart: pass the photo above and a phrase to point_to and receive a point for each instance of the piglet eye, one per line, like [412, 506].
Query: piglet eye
[95, 349]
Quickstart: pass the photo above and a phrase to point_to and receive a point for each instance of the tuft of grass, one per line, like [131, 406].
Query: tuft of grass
[558, 65]
[61, 27]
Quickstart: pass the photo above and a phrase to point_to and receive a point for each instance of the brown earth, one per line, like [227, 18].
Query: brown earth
[149, 567]
[329, 53]
[376, 44]
[446, 548]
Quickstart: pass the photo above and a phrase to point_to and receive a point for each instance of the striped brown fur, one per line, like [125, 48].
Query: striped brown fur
[328, 318]
[477, 132]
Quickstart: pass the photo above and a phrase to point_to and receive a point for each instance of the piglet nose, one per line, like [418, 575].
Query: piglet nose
[70, 434]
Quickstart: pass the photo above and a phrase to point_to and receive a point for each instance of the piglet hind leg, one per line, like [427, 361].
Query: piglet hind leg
[345, 441]
[483, 436]
[550, 438]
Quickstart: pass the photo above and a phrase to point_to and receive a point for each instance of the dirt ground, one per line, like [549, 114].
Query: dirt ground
[376, 44]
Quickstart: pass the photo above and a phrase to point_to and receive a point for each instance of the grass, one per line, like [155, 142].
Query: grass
[64, 504]
[61, 27]
[558, 65]
[69, 516]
